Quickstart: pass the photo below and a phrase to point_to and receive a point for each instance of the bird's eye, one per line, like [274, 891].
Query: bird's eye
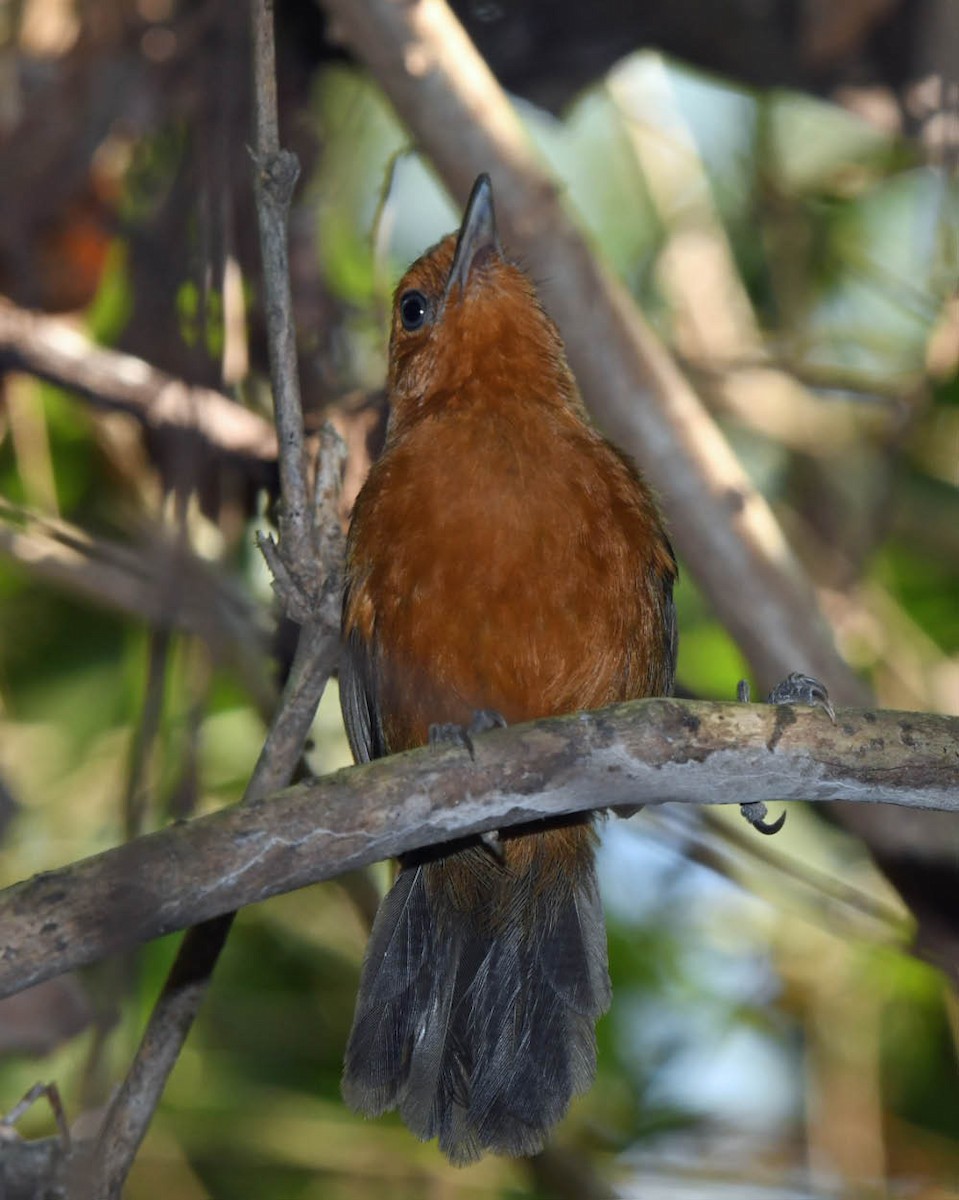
[413, 310]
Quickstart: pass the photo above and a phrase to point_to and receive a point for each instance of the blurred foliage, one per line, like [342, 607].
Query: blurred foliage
[768, 1024]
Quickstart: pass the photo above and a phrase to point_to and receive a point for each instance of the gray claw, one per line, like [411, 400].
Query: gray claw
[802, 689]
[794, 689]
[485, 719]
[448, 733]
[755, 813]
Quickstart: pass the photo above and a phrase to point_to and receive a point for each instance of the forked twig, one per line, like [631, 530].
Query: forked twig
[306, 566]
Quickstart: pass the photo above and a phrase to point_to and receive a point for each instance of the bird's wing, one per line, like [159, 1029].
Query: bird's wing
[359, 695]
[668, 616]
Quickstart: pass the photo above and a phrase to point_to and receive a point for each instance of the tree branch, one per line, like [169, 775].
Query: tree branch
[277, 171]
[648, 752]
[100, 1169]
[136, 581]
[51, 349]
[131, 1110]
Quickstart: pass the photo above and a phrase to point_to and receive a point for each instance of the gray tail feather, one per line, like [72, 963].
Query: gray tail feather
[479, 1036]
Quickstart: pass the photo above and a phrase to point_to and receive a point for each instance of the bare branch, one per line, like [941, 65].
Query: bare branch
[725, 529]
[128, 1117]
[53, 350]
[100, 1170]
[136, 580]
[276, 174]
[137, 788]
[648, 752]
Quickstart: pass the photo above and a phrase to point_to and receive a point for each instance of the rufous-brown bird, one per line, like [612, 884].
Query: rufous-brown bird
[503, 560]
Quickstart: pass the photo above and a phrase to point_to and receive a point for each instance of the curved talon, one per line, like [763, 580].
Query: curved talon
[742, 691]
[755, 813]
[798, 688]
[774, 827]
[448, 733]
[485, 719]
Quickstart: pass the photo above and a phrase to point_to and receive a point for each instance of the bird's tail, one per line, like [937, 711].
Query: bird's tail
[480, 991]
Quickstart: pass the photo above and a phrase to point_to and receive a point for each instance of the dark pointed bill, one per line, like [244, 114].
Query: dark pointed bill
[477, 239]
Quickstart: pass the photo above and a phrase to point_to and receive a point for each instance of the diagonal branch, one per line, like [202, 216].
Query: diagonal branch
[134, 579]
[53, 350]
[648, 752]
[422, 57]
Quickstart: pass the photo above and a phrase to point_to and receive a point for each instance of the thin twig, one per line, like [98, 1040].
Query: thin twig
[51, 1093]
[135, 580]
[102, 1171]
[647, 752]
[306, 566]
[276, 174]
[145, 734]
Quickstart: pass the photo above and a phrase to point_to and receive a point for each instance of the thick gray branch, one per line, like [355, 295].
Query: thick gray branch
[648, 752]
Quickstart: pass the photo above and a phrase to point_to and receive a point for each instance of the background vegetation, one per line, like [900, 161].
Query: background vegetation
[797, 247]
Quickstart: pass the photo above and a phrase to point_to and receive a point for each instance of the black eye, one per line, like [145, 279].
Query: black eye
[413, 310]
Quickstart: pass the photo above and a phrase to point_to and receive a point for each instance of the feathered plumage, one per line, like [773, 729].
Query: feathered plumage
[502, 556]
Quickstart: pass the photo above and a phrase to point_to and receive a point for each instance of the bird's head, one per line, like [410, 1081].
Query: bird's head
[468, 326]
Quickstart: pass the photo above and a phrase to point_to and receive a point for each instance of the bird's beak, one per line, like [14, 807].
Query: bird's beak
[477, 240]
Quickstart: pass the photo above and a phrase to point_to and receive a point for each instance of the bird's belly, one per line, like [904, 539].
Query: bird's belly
[503, 622]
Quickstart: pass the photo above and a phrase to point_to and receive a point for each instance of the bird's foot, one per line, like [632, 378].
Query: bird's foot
[802, 689]
[796, 688]
[755, 813]
[449, 733]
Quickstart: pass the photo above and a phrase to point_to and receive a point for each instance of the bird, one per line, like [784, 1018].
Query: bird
[504, 562]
